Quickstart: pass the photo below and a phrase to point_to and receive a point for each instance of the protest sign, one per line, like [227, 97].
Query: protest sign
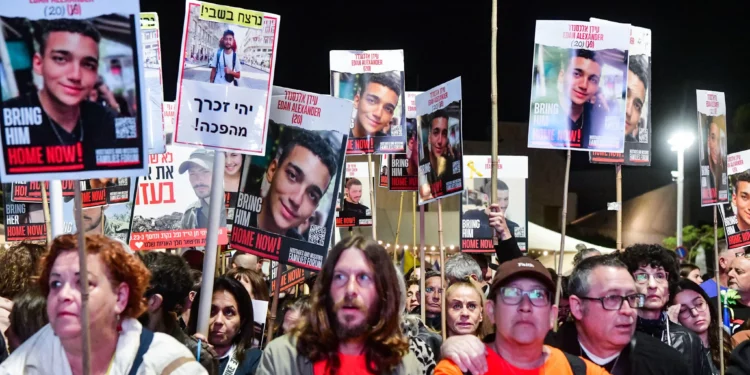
[170, 116]
[55, 127]
[105, 191]
[291, 278]
[224, 85]
[374, 80]
[403, 168]
[151, 48]
[440, 142]
[736, 215]
[355, 206]
[31, 191]
[171, 204]
[512, 172]
[285, 206]
[109, 220]
[638, 104]
[579, 81]
[383, 180]
[23, 221]
[712, 149]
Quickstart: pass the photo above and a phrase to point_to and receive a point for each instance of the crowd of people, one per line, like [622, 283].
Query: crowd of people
[638, 311]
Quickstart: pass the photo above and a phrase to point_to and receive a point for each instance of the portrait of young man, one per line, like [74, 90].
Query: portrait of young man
[376, 102]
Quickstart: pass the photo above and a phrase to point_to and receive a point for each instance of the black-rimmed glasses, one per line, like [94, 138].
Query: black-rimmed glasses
[614, 302]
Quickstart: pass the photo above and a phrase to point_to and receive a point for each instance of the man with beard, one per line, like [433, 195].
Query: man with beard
[221, 71]
[94, 221]
[376, 101]
[353, 326]
[741, 200]
[503, 201]
[656, 276]
[169, 288]
[199, 167]
[739, 280]
[352, 207]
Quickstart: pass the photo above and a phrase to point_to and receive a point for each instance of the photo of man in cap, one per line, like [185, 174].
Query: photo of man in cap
[199, 167]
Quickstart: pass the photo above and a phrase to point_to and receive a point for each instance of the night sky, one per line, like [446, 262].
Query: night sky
[700, 46]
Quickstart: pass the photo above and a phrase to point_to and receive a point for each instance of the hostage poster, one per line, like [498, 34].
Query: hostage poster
[637, 106]
[111, 220]
[404, 167]
[512, 172]
[74, 104]
[355, 206]
[712, 149]
[227, 65]
[440, 142]
[736, 215]
[23, 221]
[154, 91]
[578, 86]
[31, 191]
[383, 180]
[374, 80]
[105, 191]
[172, 201]
[285, 207]
[170, 114]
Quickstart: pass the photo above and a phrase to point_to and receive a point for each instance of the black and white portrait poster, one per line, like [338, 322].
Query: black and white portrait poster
[512, 172]
[440, 142]
[404, 167]
[72, 103]
[712, 149]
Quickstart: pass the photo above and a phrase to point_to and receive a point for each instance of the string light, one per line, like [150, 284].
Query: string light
[380, 242]
[432, 248]
[452, 247]
[406, 247]
[545, 253]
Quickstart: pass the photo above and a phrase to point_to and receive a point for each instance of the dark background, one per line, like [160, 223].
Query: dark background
[695, 46]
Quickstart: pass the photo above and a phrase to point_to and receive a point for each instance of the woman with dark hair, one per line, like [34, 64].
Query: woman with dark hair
[691, 272]
[230, 328]
[252, 281]
[698, 315]
[28, 316]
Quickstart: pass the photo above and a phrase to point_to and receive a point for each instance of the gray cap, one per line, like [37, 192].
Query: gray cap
[202, 158]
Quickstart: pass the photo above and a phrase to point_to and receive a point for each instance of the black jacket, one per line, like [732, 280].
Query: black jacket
[644, 356]
[507, 250]
[681, 339]
[739, 361]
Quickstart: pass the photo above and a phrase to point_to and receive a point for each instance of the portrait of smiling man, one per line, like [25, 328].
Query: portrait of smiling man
[376, 102]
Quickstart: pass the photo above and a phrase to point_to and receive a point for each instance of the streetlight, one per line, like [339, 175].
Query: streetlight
[680, 141]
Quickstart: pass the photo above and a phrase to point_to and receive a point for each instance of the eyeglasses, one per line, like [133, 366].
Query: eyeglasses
[642, 277]
[687, 311]
[512, 296]
[614, 302]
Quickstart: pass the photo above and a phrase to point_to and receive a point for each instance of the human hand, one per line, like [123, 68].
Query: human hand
[497, 221]
[467, 352]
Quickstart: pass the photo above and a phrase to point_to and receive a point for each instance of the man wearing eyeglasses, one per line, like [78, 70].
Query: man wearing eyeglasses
[656, 276]
[520, 306]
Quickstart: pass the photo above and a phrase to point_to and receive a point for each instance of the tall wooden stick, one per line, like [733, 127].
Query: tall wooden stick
[493, 97]
[442, 267]
[619, 206]
[45, 209]
[398, 228]
[719, 305]
[274, 303]
[374, 209]
[84, 280]
[562, 234]
[421, 262]
[414, 224]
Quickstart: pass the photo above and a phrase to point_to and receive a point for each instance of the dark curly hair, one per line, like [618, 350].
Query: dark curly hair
[641, 255]
[170, 278]
[316, 144]
[385, 344]
[20, 266]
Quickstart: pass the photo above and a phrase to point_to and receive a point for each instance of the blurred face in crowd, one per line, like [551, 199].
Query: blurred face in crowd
[412, 297]
[695, 276]
[464, 308]
[291, 317]
[224, 323]
[433, 292]
[739, 274]
[694, 312]
[654, 284]
[354, 294]
[106, 300]
[522, 312]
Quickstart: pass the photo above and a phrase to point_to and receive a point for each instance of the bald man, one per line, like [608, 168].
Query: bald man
[246, 261]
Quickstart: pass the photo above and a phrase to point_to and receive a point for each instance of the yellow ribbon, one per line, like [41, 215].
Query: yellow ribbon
[473, 170]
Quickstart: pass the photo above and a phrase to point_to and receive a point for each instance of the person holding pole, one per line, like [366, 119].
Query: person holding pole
[354, 322]
[117, 282]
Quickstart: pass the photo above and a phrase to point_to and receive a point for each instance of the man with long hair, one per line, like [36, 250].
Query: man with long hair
[353, 324]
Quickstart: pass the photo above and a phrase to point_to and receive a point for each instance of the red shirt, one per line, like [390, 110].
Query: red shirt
[350, 365]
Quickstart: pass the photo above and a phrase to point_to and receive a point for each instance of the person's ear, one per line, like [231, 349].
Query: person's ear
[272, 170]
[576, 307]
[155, 302]
[36, 63]
[356, 100]
[490, 307]
[191, 295]
[553, 316]
[122, 292]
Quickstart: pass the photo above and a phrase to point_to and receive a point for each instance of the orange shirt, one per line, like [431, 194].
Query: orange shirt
[350, 364]
[556, 364]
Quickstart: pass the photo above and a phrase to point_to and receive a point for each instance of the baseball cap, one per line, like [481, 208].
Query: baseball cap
[202, 158]
[228, 32]
[526, 267]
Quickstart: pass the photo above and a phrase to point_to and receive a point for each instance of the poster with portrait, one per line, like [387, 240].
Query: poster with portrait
[172, 201]
[440, 142]
[736, 214]
[403, 168]
[170, 116]
[290, 278]
[512, 172]
[23, 221]
[74, 80]
[285, 207]
[355, 207]
[578, 86]
[31, 191]
[637, 106]
[712, 149]
[110, 220]
[227, 65]
[383, 180]
[105, 191]
[154, 90]
[374, 81]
